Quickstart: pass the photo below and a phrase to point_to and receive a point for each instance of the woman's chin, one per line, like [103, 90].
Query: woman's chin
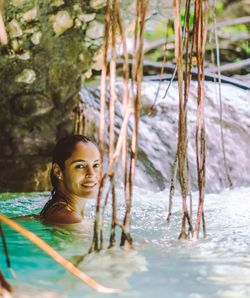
[89, 194]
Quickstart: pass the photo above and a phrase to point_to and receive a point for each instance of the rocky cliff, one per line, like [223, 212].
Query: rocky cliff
[52, 44]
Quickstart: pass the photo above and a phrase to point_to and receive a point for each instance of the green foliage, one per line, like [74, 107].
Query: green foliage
[14, 12]
[157, 31]
[148, 35]
[155, 56]
[246, 48]
[219, 7]
[236, 28]
[170, 30]
[191, 18]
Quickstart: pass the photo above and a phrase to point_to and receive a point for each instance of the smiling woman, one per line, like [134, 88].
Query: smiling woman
[74, 177]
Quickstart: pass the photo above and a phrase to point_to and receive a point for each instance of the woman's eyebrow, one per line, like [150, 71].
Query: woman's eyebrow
[78, 160]
[82, 160]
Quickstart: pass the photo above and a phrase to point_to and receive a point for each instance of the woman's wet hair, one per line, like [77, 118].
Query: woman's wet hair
[63, 151]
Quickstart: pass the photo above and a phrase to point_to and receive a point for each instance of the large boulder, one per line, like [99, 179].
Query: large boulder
[52, 44]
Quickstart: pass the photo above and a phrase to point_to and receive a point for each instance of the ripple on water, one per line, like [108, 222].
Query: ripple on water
[215, 267]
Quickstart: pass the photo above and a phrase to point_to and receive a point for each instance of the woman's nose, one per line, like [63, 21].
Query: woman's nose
[90, 171]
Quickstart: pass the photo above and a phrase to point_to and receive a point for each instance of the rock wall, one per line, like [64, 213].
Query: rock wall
[52, 44]
[158, 133]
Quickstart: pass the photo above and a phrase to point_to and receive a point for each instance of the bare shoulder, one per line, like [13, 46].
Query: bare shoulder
[63, 216]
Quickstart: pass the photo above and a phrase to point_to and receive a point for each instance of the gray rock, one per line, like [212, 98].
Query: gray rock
[95, 30]
[30, 15]
[14, 29]
[41, 71]
[36, 37]
[27, 76]
[96, 4]
[62, 21]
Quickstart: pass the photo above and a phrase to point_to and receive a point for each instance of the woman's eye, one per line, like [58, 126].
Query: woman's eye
[96, 166]
[81, 166]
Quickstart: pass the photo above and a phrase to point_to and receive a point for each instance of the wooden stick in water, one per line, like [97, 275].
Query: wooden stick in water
[56, 256]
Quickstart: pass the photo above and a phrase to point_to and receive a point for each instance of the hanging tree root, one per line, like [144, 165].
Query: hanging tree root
[97, 235]
[97, 241]
[198, 38]
[5, 247]
[4, 285]
[183, 235]
[112, 102]
[79, 122]
[172, 188]
[227, 174]
[126, 237]
[141, 7]
[114, 216]
[190, 230]
[200, 137]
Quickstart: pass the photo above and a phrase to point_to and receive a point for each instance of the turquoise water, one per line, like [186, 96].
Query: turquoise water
[160, 265]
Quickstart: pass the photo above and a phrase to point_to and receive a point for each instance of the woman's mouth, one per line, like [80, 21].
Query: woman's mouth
[89, 185]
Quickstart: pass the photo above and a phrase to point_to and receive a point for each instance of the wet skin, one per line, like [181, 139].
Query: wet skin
[80, 173]
[77, 182]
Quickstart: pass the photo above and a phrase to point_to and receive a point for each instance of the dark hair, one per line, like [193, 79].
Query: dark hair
[62, 151]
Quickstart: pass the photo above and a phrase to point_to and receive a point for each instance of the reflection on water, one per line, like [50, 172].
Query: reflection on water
[160, 265]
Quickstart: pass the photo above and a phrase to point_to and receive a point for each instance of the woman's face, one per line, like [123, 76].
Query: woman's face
[81, 171]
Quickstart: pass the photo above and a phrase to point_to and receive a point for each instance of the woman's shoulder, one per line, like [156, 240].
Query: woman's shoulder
[55, 204]
[63, 216]
[59, 211]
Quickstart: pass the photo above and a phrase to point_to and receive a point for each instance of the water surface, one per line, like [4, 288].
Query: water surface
[160, 265]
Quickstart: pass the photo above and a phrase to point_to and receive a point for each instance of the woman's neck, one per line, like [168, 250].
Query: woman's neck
[77, 203]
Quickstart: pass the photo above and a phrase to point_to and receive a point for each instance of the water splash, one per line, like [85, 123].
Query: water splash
[213, 267]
